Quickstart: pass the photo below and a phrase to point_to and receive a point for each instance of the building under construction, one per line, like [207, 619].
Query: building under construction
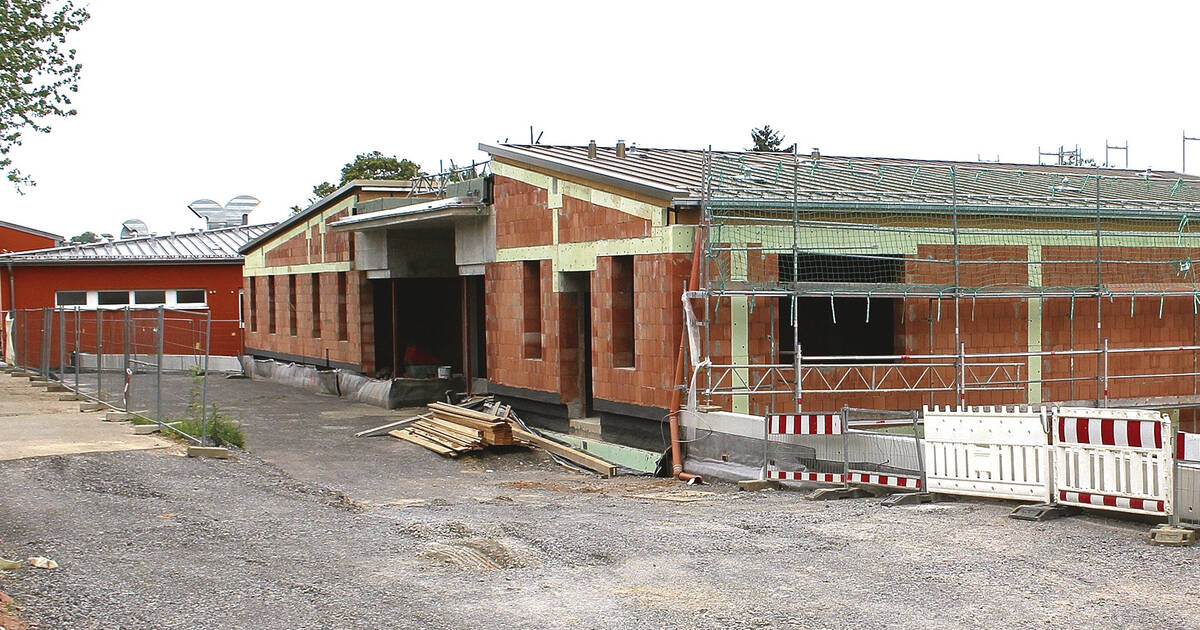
[821, 282]
[882, 283]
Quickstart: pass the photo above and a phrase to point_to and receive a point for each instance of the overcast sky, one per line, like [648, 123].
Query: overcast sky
[180, 101]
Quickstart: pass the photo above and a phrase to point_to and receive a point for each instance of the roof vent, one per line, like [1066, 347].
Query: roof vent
[134, 228]
[591, 149]
[232, 214]
[816, 154]
[620, 148]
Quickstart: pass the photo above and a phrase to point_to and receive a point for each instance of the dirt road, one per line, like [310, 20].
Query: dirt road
[316, 529]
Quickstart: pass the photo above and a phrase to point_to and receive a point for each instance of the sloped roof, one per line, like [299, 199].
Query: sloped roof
[680, 175]
[203, 246]
[390, 185]
[29, 230]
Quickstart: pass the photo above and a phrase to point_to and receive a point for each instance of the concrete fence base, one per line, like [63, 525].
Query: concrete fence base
[386, 393]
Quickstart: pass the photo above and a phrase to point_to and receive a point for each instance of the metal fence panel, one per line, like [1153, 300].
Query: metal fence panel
[884, 449]
[151, 362]
[804, 447]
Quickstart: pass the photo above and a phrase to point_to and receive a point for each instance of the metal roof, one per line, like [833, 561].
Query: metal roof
[203, 246]
[438, 209]
[29, 230]
[679, 175]
[389, 185]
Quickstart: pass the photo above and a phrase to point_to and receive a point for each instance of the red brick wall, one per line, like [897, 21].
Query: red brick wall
[303, 344]
[505, 326]
[522, 218]
[658, 320]
[580, 220]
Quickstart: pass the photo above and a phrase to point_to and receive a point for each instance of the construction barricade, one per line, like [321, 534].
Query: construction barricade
[884, 449]
[996, 452]
[804, 447]
[1114, 459]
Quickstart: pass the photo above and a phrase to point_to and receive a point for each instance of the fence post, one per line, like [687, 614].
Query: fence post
[920, 453]
[100, 354]
[845, 446]
[158, 340]
[127, 366]
[1105, 372]
[62, 345]
[766, 444]
[799, 387]
[47, 326]
[962, 375]
[76, 350]
[1173, 517]
[204, 384]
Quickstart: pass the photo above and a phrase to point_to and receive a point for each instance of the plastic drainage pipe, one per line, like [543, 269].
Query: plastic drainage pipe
[676, 392]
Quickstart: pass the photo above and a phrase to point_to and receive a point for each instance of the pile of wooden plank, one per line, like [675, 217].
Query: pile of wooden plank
[451, 430]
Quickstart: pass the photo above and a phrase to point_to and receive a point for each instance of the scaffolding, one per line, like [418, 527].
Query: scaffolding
[1005, 283]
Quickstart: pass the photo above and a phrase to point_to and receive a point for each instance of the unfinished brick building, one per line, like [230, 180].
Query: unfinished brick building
[886, 284]
[883, 283]
[327, 288]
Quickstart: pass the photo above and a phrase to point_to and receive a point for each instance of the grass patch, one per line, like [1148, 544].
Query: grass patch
[223, 430]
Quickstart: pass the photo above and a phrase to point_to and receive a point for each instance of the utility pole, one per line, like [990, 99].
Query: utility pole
[1183, 169]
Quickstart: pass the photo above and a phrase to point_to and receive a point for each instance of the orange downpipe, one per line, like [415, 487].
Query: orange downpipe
[680, 360]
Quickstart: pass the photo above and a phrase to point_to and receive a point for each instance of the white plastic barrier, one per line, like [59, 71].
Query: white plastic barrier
[801, 449]
[1114, 459]
[998, 452]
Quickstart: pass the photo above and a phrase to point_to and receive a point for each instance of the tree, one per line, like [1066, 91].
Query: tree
[768, 140]
[86, 237]
[373, 165]
[37, 76]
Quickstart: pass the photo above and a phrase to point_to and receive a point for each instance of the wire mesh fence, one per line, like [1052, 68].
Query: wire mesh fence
[150, 362]
[1187, 494]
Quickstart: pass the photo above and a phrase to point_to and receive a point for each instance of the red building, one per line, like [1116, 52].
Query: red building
[199, 271]
[18, 238]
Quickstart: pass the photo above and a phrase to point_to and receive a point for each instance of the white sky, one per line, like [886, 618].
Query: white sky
[181, 101]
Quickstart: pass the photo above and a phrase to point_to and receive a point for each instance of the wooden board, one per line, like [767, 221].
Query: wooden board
[578, 457]
[384, 428]
[454, 427]
[474, 423]
[420, 441]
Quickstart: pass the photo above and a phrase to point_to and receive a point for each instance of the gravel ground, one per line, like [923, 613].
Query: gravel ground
[315, 529]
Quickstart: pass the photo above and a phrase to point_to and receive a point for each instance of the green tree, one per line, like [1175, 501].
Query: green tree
[37, 74]
[373, 165]
[86, 237]
[768, 140]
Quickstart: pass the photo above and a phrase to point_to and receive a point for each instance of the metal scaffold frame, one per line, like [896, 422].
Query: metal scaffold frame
[786, 207]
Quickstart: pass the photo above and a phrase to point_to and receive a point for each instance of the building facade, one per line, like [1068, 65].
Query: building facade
[197, 271]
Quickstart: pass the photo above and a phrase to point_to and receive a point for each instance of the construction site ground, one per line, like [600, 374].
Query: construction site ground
[313, 528]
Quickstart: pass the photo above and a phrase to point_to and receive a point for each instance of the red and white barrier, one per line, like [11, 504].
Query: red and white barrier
[1114, 459]
[805, 431]
[1107, 501]
[805, 424]
[1187, 447]
[805, 476]
[1134, 433]
[893, 481]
